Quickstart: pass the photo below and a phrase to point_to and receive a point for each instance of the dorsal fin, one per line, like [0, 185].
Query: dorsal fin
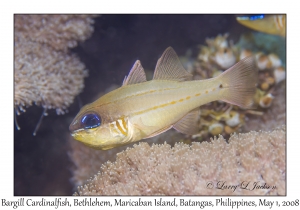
[136, 74]
[168, 67]
[188, 124]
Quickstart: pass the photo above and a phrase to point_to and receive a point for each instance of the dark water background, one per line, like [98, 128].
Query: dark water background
[41, 163]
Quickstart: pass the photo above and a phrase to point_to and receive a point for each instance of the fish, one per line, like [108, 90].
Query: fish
[271, 24]
[142, 109]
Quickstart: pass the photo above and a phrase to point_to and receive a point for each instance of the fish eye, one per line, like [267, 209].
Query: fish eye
[91, 120]
[251, 17]
[256, 17]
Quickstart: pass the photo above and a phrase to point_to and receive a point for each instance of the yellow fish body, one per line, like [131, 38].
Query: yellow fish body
[142, 109]
[271, 24]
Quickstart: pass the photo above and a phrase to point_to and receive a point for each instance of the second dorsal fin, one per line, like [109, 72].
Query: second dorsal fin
[168, 67]
[136, 74]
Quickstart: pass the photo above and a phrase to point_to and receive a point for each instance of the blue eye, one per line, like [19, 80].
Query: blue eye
[251, 17]
[255, 17]
[91, 121]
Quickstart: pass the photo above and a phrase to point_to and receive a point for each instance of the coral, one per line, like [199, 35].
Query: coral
[46, 77]
[58, 31]
[198, 169]
[257, 41]
[220, 54]
[45, 72]
[87, 161]
[272, 117]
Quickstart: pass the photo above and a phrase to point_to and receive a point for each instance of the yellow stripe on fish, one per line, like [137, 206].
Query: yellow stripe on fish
[173, 102]
[142, 109]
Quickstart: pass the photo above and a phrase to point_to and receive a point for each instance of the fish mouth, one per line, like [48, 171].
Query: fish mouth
[74, 126]
[78, 135]
[74, 132]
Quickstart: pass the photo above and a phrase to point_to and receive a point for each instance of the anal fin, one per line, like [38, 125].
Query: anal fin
[188, 124]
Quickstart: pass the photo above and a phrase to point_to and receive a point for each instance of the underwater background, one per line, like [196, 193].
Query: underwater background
[42, 164]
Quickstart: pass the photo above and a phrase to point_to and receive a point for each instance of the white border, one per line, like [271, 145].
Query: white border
[156, 6]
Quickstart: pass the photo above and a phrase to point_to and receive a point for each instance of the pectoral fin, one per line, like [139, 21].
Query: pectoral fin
[159, 132]
[188, 124]
[141, 126]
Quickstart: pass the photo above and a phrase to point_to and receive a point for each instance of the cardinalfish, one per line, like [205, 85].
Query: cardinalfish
[271, 24]
[142, 109]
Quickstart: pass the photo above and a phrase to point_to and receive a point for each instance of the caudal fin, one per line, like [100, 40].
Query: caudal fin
[238, 83]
